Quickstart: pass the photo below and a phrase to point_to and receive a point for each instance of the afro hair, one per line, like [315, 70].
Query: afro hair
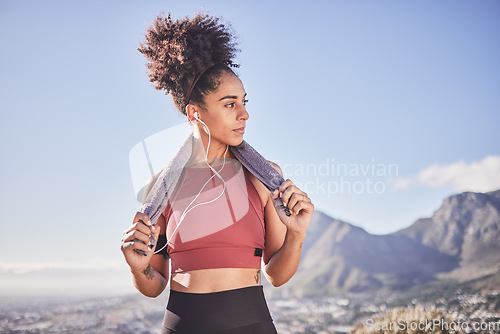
[178, 51]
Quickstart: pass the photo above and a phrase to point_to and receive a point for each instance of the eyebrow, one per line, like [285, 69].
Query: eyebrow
[231, 97]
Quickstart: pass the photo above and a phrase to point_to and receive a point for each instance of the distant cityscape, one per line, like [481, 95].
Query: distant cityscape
[440, 270]
[138, 314]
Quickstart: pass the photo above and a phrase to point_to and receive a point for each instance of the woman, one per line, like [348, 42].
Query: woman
[215, 283]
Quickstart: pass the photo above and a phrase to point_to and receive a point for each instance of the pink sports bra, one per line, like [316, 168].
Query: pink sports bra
[228, 232]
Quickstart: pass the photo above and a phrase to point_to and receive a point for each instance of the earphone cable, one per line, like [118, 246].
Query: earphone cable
[215, 173]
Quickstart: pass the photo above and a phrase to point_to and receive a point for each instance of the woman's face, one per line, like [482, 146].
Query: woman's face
[225, 111]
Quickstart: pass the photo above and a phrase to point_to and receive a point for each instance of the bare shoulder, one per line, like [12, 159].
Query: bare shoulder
[264, 193]
[276, 167]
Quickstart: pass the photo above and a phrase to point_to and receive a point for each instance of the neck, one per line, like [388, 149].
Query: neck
[217, 149]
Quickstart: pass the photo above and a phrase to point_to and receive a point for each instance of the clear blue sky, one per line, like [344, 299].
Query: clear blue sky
[406, 90]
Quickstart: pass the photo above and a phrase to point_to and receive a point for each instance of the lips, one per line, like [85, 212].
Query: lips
[240, 130]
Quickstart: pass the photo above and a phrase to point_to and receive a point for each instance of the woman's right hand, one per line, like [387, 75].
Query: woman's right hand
[137, 237]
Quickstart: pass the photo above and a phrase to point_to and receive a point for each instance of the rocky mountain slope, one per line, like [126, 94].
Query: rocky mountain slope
[467, 227]
[461, 241]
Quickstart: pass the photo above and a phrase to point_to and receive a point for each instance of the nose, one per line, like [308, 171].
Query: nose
[243, 113]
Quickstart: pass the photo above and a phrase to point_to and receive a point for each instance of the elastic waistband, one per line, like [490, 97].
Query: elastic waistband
[202, 312]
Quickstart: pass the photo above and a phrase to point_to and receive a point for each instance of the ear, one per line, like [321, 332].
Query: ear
[190, 110]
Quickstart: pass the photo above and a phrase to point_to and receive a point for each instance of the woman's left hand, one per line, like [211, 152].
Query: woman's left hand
[300, 206]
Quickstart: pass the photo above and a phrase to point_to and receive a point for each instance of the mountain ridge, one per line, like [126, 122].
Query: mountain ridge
[459, 242]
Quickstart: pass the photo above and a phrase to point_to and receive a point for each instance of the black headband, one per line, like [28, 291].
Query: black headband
[195, 80]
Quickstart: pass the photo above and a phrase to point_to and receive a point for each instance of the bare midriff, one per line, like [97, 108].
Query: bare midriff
[214, 280]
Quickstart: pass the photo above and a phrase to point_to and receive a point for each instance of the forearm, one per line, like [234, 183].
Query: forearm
[284, 263]
[149, 282]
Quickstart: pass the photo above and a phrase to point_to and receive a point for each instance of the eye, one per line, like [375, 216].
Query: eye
[245, 102]
[230, 105]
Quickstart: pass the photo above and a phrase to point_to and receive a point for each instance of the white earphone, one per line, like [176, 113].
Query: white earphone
[186, 211]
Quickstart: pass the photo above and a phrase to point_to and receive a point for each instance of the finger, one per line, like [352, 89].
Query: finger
[142, 227]
[144, 218]
[295, 198]
[137, 235]
[289, 192]
[153, 237]
[140, 236]
[136, 232]
[279, 205]
[140, 245]
[304, 197]
[275, 194]
[156, 231]
[302, 206]
[132, 245]
[285, 189]
[136, 226]
[285, 185]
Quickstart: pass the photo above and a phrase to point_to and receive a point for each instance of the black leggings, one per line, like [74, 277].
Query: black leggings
[238, 311]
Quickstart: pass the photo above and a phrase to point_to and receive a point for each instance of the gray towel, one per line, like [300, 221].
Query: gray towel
[157, 198]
